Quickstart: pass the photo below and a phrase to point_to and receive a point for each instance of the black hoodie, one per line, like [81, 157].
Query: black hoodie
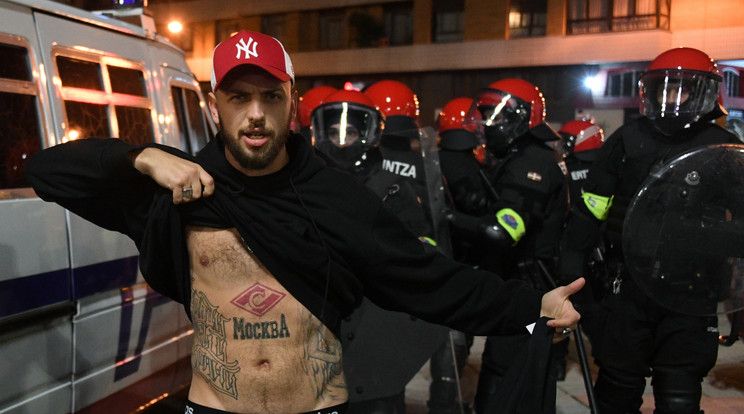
[324, 236]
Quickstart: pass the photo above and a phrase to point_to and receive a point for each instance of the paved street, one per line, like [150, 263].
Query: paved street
[723, 389]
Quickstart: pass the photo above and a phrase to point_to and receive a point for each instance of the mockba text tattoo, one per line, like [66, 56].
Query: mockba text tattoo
[258, 299]
[260, 330]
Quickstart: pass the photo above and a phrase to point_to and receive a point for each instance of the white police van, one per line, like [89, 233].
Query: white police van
[80, 330]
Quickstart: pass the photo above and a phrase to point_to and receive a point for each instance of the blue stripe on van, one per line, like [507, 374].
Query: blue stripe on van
[100, 277]
[31, 292]
[36, 291]
[153, 300]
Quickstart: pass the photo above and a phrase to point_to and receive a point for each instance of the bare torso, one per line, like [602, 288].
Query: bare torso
[256, 348]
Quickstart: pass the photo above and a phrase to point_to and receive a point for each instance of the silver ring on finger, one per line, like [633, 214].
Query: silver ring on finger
[187, 192]
[566, 332]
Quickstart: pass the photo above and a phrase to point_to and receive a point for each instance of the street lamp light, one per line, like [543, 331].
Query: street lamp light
[175, 26]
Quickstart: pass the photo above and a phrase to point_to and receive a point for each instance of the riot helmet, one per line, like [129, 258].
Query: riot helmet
[504, 111]
[347, 129]
[309, 101]
[579, 138]
[680, 87]
[454, 134]
[400, 106]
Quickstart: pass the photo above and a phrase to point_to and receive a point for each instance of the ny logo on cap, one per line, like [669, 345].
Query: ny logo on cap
[242, 46]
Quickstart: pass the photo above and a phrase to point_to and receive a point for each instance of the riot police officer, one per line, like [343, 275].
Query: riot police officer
[679, 99]
[521, 199]
[349, 133]
[522, 184]
[346, 130]
[400, 145]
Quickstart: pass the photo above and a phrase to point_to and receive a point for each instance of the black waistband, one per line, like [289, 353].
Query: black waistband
[192, 408]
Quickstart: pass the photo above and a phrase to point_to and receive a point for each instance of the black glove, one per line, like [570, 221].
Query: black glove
[479, 229]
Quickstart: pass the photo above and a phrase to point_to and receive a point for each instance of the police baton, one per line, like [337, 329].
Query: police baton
[489, 186]
[579, 346]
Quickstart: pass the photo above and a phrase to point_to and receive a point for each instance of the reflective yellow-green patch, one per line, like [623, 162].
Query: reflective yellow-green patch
[511, 222]
[598, 205]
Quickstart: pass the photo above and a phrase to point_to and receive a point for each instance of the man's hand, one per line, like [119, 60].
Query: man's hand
[556, 305]
[174, 173]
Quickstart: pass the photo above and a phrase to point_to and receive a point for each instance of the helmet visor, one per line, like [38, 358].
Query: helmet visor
[344, 124]
[673, 99]
[495, 110]
[345, 132]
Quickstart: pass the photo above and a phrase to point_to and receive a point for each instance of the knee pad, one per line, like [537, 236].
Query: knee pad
[676, 392]
[618, 393]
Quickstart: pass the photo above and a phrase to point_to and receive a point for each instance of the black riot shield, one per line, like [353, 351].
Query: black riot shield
[436, 191]
[446, 394]
[683, 235]
[386, 353]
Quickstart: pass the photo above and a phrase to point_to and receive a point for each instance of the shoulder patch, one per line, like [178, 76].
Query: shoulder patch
[534, 176]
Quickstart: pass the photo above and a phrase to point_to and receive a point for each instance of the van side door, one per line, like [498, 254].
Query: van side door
[105, 86]
[36, 305]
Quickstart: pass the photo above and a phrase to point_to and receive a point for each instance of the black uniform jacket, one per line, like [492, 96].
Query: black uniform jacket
[633, 152]
[323, 235]
[577, 170]
[530, 181]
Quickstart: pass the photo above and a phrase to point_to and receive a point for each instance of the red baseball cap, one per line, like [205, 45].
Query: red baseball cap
[251, 48]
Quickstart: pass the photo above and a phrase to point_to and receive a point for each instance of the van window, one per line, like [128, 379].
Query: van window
[192, 124]
[129, 81]
[135, 124]
[78, 73]
[15, 63]
[20, 128]
[87, 120]
[119, 108]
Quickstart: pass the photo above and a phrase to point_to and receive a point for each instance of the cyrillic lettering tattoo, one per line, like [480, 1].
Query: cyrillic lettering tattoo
[208, 358]
[260, 330]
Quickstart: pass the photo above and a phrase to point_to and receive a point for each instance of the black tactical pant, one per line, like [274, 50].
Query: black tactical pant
[641, 339]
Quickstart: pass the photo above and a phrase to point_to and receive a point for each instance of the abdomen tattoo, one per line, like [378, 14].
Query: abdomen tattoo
[208, 358]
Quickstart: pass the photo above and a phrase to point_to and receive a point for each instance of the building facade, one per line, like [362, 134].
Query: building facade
[443, 49]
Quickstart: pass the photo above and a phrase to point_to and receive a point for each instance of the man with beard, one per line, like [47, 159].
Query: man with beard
[267, 249]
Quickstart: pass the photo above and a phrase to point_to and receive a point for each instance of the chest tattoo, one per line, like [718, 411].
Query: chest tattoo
[258, 299]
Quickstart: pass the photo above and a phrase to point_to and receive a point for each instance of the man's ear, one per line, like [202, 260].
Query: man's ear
[212, 102]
